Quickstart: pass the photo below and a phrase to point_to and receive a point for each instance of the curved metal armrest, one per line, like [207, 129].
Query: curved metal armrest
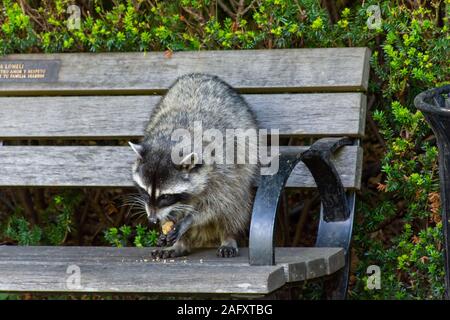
[317, 159]
[332, 192]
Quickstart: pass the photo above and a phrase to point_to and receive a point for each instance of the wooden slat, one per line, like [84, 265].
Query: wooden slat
[88, 166]
[326, 114]
[292, 70]
[104, 269]
[299, 264]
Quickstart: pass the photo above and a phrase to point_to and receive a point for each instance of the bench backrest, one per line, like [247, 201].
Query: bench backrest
[108, 96]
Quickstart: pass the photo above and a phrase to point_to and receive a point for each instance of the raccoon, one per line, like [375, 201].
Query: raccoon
[209, 203]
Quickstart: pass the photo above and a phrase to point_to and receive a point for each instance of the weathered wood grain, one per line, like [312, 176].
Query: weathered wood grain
[281, 70]
[327, 114]
[300, 263]
[105, 269]
[95, 166]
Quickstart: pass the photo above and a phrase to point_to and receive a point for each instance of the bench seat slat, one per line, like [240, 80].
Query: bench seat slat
[106, 269]
[293, 70]
[104, 166]
[126, 116]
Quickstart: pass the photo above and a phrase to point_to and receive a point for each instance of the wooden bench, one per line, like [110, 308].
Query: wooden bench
[312, 93]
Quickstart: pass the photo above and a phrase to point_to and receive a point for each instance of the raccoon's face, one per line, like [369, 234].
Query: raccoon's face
[166, 187]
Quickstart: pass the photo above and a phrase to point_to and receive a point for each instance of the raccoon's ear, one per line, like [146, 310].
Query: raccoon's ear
[190, 162]
[137, 148]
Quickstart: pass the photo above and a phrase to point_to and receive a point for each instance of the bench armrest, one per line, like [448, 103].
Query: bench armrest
[334, 201]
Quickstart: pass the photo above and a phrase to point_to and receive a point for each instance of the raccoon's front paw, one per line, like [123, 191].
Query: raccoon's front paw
[162, 241]
[227, 252]
[169, 239]
[172, 237]
[164, 253]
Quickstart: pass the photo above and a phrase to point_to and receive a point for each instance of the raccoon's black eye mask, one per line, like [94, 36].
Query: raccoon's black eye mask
[164, 200]
[142, 192]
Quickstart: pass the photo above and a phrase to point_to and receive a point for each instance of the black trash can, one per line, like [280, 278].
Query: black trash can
[435, 106]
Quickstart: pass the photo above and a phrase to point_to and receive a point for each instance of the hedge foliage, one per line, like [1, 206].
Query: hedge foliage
[398, 224]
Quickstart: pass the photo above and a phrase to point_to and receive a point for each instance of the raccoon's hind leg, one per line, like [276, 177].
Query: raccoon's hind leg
[228, 248]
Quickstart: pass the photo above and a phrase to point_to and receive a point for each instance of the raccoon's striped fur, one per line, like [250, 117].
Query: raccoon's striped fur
[210, 204]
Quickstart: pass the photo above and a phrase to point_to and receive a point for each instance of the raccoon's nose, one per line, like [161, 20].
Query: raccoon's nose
[151, 214]
[153, 219]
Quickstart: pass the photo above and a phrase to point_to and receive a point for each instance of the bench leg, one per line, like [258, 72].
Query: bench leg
[337, 210]
[338, 234]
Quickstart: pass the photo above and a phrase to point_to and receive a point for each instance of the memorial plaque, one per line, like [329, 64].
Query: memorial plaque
[29, 70]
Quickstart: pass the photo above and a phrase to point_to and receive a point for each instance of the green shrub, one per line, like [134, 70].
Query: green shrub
[20, 231]
[414, 56]
[55, 226]
[126, 236]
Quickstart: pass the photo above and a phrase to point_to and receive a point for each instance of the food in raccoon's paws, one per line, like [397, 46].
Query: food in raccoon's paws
[167, 227]
[166, 238]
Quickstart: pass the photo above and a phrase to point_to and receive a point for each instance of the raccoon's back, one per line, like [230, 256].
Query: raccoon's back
[201, 98]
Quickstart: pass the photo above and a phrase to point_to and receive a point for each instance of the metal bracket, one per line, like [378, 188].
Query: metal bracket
[338, 234]
[337, 209]
[332, 193]
[334, 202]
